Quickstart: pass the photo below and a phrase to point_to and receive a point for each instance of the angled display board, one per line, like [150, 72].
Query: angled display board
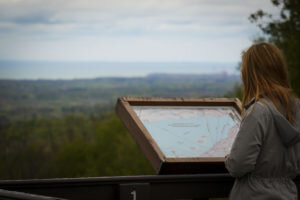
[182, 135]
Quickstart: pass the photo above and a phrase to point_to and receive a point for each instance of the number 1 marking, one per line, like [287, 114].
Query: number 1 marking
[133, 194]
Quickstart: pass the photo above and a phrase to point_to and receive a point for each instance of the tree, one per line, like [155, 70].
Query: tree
[284, 32]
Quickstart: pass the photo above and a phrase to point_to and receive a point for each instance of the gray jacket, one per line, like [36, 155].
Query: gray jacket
[265, 155]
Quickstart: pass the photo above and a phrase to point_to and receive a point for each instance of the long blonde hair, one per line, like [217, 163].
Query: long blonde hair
[264, 73]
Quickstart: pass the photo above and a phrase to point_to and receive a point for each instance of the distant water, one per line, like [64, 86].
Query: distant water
[78, 70]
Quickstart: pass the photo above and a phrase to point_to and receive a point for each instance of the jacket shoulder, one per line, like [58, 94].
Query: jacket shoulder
[258, 110]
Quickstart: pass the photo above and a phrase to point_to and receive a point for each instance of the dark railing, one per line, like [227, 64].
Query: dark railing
[156, 187]
[13, 195]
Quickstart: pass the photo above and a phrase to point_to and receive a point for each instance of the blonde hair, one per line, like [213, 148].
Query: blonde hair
[264, 73]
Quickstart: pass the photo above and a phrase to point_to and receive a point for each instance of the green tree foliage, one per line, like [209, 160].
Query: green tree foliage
[72, 146]
[27, 99]
[236, 92]
[53, 129]
[284, 32]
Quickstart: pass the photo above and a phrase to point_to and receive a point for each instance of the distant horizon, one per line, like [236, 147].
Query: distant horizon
[125, 77]
[69, 70]
[107, 61]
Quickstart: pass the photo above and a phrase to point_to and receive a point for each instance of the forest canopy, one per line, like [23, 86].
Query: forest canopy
[54, 129]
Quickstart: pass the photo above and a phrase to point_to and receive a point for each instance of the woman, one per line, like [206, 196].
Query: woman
[265, 155]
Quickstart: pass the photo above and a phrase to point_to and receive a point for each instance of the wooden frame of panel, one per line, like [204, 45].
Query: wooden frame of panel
[160, 163]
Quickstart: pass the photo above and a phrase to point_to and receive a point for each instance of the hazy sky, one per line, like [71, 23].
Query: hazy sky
[127, 30]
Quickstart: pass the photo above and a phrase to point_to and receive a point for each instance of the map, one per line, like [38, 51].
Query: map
[191, 131]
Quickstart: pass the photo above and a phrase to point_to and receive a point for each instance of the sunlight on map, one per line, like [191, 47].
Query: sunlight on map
[195, 131]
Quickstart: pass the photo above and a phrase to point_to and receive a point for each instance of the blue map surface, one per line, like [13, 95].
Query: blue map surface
[191, 131]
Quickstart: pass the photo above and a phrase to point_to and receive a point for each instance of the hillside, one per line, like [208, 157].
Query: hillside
[26, 99]
[67, 128]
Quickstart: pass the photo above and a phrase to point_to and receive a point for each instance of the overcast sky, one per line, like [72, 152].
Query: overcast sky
[127, 30]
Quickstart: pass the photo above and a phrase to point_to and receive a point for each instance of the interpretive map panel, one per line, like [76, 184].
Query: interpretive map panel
[191, 131]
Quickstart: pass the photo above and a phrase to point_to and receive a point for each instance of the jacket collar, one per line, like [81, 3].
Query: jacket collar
[248, 105]
[252, 101]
